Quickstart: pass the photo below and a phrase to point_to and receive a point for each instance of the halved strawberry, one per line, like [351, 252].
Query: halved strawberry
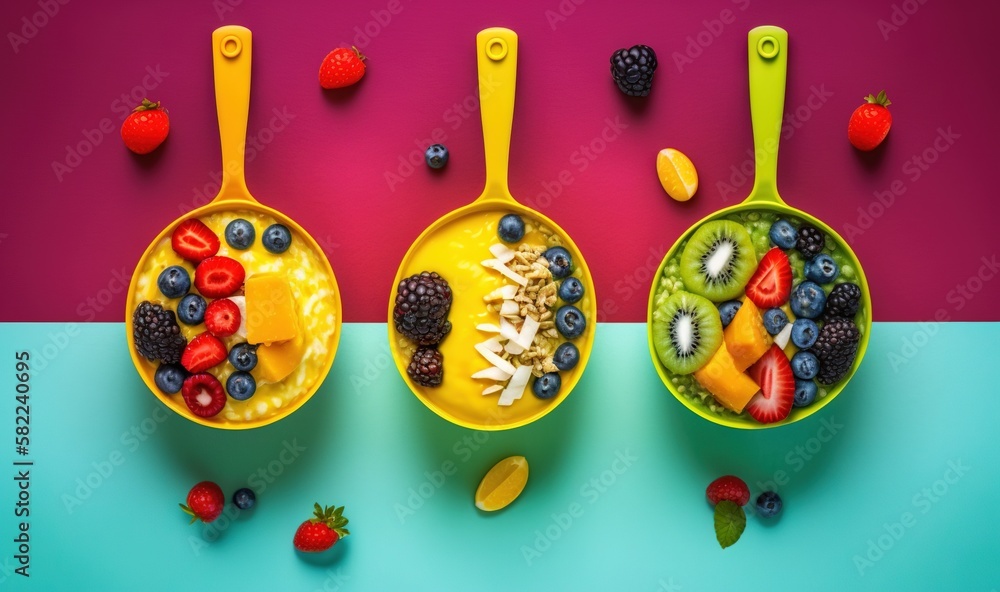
[222, 317]
[194, 241]
[203, 395]
[218, 277]
[203, 352]
[777, 387]
[771, 284]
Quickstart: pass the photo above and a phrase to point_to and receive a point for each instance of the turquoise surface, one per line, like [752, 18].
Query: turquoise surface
[890, 487]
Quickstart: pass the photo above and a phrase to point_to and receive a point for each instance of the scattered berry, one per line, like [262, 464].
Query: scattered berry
[205, 502]
[811, 241]
[204, 352]
[426, 366]
[570, 322]
[243, 356]
[632, 70]
[775, 320]
[822, 269]
[194, 241]
[169, 378]
[728, 487]
[773, 374]
[842, 302]
[768, 504]
[341, 67]
[805, 366]
[203, 395]
[805, 393]
[870, 122]
[560, 262]
[222, 317]
[156, 334]
[772, 281]
[174, 281]
[218, 277]
[276, 238]
[422, 304]
[808, 300]
[804, 333]
[547, 385]
[436, 156]
[322, 531]
[571, 290]
[244, 498]
[566, 356]
[783, 234]
[191, 309]
[511, 228]
[835, 348]
[241, 385]
[145, 128]
[727, 310]
[240, 234]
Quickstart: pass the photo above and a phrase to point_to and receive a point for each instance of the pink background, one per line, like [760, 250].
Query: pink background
[327, 167]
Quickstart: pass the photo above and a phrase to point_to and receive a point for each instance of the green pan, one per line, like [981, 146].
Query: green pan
[768, 59]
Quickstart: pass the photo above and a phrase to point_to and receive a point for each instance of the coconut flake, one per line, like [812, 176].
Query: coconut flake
[509, 307]
[516, 277]
[494, 359]
[527, 334]
[493, 344]
[507, 330]
[513, 348]
[781, 339]
[503, 253]
[492, 389]
[505, 292]
[488, 327]
[492, 373]
[515, 388]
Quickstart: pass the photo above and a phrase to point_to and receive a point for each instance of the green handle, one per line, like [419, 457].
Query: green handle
[768, 60]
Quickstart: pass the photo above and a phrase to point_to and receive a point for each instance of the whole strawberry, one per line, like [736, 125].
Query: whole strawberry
[870, 122]
[341, 67]
[205, 502]
[728, 495]
[322, 531]
[146, 127]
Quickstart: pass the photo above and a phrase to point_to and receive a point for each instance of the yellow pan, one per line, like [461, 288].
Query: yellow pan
[768, 58]
[310, 275]
[454, 246]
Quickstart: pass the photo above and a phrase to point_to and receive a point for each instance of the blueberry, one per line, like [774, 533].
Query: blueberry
[571, 290]
[804, 365]
[546, 386]
[240, 234]
[808, 300]
[566, 356]
[804, 333]
[775, 320]
[244, 498]
[805, 393]
[560, 262]
[191, 310]
[241, 385]
[822, 269]
[783, 234]
[727, 310]
[436, 156]
[170, 377]
[276, 238]
[174, 281]
[570, 321]
[243, 356]
[768, 504]
[511, 228]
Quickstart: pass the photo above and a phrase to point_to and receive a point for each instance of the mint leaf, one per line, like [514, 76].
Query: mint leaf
[729, 522]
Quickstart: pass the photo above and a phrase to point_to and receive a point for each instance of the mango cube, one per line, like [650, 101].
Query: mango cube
[746, 338]
[275, 361]
[271, 315]
[731, 387]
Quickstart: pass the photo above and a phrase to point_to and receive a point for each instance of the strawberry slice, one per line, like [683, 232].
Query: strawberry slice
[771, 284]
[203, 395]
[222, 318]
[777, 387]
[194, 241]
[218, 277]
[203, 352]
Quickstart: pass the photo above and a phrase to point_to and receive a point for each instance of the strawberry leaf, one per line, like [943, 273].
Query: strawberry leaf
[729, 523]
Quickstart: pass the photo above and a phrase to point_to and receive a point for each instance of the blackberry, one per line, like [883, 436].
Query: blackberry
[156, 333]
[836, 347]
[426, 367]
[633, 68]
[811, 241]
[422, 304]
[842, 302]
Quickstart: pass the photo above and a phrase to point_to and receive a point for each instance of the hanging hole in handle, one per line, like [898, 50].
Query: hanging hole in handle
[496, 49]
[231, 46]
[767, 47]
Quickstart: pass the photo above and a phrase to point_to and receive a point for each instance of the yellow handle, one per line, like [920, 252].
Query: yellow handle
[231, 49]
[767, 49]
[497, 51]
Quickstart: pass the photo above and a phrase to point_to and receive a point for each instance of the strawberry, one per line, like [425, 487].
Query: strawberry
[777, 387]
[218, 277]
[341, 67]
[203, 395]
[728, 487]
[322, 531]
[194, 241]
[222, 318]
[145, 128]
[204, 502]
[771, 284]
[870, 122]
[203, 352]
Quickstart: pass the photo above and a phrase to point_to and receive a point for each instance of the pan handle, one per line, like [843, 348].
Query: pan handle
[231, 49]
[768, 61]
[497, 51]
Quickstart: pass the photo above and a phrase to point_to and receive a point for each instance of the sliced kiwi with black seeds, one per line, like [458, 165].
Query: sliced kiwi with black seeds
[718, 260]
[686, 332]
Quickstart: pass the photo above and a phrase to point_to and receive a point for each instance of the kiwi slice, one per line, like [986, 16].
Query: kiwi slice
[686, 332]
[718, 260]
